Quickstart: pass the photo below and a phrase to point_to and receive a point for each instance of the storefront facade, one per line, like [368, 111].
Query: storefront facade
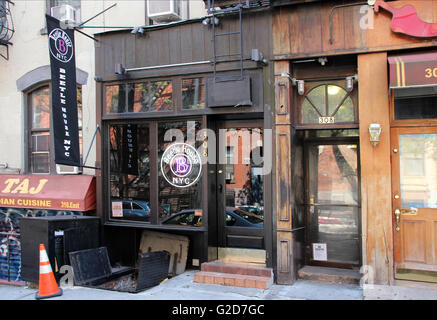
[182, 138]
[360, 132]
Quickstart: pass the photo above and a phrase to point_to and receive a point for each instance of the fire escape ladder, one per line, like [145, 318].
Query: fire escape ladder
[229, 57]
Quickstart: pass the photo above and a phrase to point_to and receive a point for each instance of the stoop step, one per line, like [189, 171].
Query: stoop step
[235, 275]
[336, 275]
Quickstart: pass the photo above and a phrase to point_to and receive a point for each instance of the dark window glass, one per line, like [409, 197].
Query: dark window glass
[130, 171]
[193, 93]
[40, 162]
[408, 108]
[173, 198]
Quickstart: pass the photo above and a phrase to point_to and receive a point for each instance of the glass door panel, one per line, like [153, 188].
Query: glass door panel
[333, 204]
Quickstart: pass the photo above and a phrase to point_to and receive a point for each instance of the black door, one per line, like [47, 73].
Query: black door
[239, 181]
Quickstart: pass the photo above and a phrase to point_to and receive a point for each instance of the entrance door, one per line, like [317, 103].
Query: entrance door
[414, 174]
[332, 204]
[240, 200]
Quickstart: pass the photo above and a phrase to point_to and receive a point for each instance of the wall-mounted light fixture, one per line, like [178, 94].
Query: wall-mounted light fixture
[322, 60]
[350, 82]
[375, 133]
[295, 82]
[119, 69]
[136, 30]
[210, 20]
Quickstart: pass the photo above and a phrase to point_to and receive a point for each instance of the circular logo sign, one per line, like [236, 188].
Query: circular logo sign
[181, 165]
[61, 46]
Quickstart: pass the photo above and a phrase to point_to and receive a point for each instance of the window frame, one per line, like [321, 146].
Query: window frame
[312, 84]
[29, 131]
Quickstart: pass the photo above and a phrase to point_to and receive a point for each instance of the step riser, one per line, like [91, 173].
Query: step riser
[242, 270]
[232, 280]
[328, 278]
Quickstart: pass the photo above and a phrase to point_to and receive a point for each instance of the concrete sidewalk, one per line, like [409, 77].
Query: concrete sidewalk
[182, 288]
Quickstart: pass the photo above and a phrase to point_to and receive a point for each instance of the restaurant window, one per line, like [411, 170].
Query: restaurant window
[179, 204]
[193, 93]
[40, 158]
[149, 96]
[327, 104]
[130, 171]
[179, 192]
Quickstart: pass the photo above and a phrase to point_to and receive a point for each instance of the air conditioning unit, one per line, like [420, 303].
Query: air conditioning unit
[63, 169]
[162, 11]
[66, 14]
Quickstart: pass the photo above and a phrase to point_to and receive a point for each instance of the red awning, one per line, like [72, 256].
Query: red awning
[70, 193]
[411, 70]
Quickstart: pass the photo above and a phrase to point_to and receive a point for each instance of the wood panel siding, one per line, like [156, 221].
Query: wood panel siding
[182, 43]
[376, 207]
[286, 273]
[302, 31]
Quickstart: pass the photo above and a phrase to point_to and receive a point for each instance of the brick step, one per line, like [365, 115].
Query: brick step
[330, 274]
[220, 267]
[236, 280]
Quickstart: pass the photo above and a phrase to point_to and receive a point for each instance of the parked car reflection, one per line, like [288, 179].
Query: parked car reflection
[235, 217]
[136, 209]
[184, 218]
[258, 210]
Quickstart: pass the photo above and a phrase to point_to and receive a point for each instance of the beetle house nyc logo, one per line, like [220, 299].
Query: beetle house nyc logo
[61, 46]
[181, 165]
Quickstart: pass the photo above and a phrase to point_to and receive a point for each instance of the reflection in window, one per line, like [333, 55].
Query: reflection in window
[243, 172]
[130, 170]
[335, 180]
[174, 199]
[161, 96]
[418, 170]
[115, 98]
[184, 218]
[139, 97]
[193, 93]
[327, 101]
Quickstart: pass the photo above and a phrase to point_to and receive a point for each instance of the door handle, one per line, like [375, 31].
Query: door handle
[220, 187]
[398, 218]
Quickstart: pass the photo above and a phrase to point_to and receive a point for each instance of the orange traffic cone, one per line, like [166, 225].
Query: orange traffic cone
[47, 284]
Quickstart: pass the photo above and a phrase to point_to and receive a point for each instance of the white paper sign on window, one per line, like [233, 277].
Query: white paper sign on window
[320, 252]
[117, 209]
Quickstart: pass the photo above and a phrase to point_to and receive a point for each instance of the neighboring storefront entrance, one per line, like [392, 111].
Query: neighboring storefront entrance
[414, 168]
[333, 203]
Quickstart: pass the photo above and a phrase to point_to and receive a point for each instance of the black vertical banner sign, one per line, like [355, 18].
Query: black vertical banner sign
[130, 150]
[64, 93]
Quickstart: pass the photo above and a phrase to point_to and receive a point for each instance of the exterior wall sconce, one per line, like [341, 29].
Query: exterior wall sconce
[375, 132]
[294, 82]
[300, 87]
[350, 82]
